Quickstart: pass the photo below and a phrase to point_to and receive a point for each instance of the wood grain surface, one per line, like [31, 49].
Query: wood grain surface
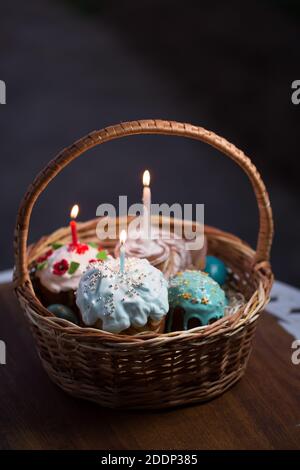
[261, 412]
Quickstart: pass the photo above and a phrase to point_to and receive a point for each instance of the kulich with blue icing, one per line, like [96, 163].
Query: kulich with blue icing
[195, 299]
[122, 300]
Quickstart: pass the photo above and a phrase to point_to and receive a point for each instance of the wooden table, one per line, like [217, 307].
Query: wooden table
[261, 412]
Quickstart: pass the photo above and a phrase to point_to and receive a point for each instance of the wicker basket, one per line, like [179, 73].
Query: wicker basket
[149, 370]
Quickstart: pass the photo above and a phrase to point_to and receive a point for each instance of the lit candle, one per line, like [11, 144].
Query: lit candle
[147, 204]
[123, 236]
[73, 226]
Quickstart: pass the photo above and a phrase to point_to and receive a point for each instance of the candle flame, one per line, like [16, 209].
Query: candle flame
[74, 211]
[123, 236]
[146, 178]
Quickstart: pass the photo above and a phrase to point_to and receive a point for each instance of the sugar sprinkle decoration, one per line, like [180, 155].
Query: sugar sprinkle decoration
[130, 280]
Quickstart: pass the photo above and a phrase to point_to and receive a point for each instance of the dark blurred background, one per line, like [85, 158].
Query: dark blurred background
[74, 66]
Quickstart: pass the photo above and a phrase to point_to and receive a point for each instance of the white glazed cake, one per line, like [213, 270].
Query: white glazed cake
[60, 270]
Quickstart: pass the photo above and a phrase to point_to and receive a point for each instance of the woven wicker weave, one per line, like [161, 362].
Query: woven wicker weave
[150, 370]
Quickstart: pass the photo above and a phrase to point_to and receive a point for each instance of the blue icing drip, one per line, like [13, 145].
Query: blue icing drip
[204, 318]
[199, 295]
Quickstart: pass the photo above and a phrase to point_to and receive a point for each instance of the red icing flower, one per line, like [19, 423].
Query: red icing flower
[81, 248]
[93, 260]
[45, 256]
[60, 267]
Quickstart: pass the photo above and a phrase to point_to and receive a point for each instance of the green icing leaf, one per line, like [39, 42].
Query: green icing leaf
[93, 244]
[55, 246]
[41, 266]
[102, 255]
[73, 267]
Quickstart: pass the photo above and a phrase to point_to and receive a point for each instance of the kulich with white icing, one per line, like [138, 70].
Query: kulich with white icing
[122, 300]
[61, 269]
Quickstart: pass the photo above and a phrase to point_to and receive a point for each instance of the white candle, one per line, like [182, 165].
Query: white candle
[123, 236]
[146, 221]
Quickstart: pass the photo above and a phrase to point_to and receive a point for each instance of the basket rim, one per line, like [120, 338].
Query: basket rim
[40, 314]
[220, 327]
[117, 341]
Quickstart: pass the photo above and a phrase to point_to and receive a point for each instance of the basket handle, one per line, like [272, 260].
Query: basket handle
[147, 126]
